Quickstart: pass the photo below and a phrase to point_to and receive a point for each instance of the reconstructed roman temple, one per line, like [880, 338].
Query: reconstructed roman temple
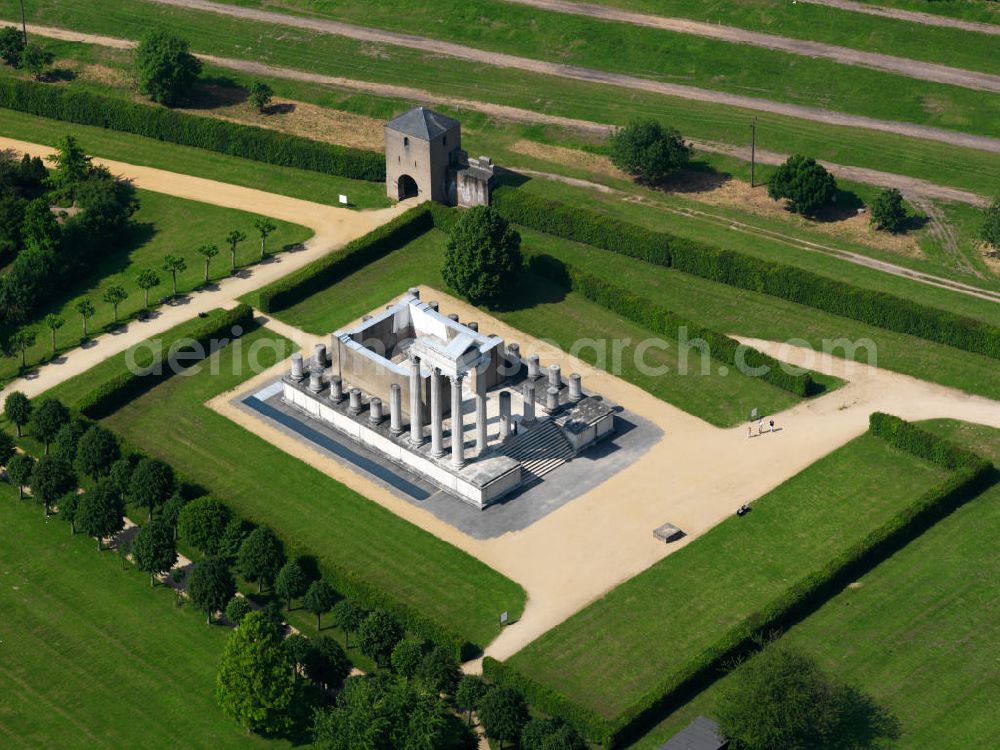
[525, 422]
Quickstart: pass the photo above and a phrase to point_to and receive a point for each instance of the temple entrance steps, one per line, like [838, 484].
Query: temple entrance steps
[539, 450]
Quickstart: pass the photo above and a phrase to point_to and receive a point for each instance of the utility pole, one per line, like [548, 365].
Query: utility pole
[24, 24]
[753, 151]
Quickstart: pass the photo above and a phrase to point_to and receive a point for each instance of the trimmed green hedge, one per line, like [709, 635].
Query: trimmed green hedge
[660, 320]
[331, 268]
[974, 475]
[118, 391]
[246, 141]
[748, 272]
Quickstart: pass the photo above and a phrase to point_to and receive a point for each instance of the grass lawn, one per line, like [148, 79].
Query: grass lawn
[633, 642]
[214, 34]
[163, 225]
[983, 11]
[92, 657]
[919, 632]
[311, 512]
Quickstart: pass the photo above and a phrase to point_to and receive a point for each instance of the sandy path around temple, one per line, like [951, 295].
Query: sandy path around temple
[695, 477]
[332, 228]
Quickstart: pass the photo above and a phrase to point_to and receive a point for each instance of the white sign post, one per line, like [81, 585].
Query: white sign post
[343, 200]
[503, 618]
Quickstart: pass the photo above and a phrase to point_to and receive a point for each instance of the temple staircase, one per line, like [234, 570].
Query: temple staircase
[539, 450]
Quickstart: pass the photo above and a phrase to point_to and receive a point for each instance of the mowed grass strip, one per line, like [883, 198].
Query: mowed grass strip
[312, 513]
[652, 625]
[335, 56]
[919, 632]
[92, 657]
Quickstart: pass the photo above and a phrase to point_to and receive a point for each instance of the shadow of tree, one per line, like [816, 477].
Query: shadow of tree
[864, 723]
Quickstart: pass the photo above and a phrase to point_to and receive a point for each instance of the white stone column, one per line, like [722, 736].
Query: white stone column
[395, 409]
[437, 444]
[457, 433]
[481, 437]
[416, 418]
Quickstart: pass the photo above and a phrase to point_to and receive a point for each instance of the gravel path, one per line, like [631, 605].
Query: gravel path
[928, 19]
[912, 68]
[590, 75]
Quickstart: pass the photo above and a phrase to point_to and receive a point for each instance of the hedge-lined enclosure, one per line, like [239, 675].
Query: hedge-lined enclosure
[658, 319]
[747, 272]
[970, 475]
[358, 253]
[234, 139]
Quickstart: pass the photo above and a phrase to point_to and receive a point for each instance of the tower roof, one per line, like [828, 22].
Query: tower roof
[422, 123]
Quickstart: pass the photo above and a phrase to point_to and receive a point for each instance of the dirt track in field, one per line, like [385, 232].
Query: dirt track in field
[927, 19]
[924, 71]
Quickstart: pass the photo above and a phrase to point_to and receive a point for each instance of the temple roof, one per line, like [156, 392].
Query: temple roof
[422, 123]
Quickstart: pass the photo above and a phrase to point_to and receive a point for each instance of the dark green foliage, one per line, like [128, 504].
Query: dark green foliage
[319, 598]
[258, 144]
[114, 393]
[7, 447]
[202, 522]
[358, 253]
[120, 474]
[503, 714]
[887, 211]
[296, 646]
[806, 184]
[72, 165]
[68, 439]
[97, 452]
[171, 511]
[439, 671]
[19, 470]
[101, 512]
[470, 691]
[260, 95]
[50, 416]
[151, 484]
[165, 68]
[482, 261]
[261, 557]
[378, 636]
[236, 531]
[781, 698]
[406, 656]
[211, 585]
[106, 205]
[35, 59]
[11, 45]
[237, 609]
[69, 505]
[990, 231]
[291, 582]
[17, 408]
[326, 663]
[550, 734]
[255, 685]
[153, 549]
[908, 437]
[747, 272]
[649, 151]
[52, 478]
[348, 617]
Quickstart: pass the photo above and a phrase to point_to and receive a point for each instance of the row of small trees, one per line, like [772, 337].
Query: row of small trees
[18, 52]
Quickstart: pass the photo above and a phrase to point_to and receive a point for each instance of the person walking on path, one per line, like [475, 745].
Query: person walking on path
[772, 426]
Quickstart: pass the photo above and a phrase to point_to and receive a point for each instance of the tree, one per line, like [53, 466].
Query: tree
[85, 308]
[171, 510]
[781, 698]
[19, 469]
[211, 586]
[647, 150]
[22, 340]
[120, 474]
[234, 238]
[97, 452]
[265, 227]
[260, 95]
[208, 252]
[233, 536]
[297, 647]
[319, 598]
[173, 264]
[153, 549]
[291, 582]
[255, 685]
[406, 656]
[53, 322]
[11, 45]
[887, 211]
[378, 636]
[165, 68]
[101, 512]
[36, 60]
[17, 408]
[237, 609]
[469, 693]
[7, 447]
[67, 440]
[990, 231]
[146, 280]
[106, 204]
[151, 484]
[439, 671]
[72, 165]
[550, 734]
[50, 416]
[806, 184]
[348, 617]
[69, 505]
[326, 663]
[482, 261]
[261, 557]
[114, 296]
[202, 523]
[503, 714]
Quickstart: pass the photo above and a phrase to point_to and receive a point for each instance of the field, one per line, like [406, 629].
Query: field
[95, 658]
[919, 632]
[311, 512]
[633, 642]
[157, 230]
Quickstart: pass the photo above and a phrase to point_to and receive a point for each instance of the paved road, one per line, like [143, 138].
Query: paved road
[590, 75]
[925, 71]
[928, 19]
